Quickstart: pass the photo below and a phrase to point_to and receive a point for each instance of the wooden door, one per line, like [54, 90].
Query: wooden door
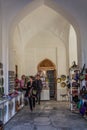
[51, 75]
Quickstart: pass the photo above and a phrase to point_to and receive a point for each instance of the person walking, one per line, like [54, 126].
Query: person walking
[38, 83]
[30, 92]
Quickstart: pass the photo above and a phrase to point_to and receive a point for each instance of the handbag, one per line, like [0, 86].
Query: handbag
[34, 92]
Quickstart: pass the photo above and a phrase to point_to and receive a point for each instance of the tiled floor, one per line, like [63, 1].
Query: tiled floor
[50, 115]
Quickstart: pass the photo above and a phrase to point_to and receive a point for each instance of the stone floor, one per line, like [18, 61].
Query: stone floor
[50, 115]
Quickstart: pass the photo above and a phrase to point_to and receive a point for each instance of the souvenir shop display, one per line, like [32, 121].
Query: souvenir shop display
[1, 80]
[1, 113]
[74, 87]
[68, 82]
[5, 110]
[82, 104]
[10, 105]
[44, 79]
[11, 81]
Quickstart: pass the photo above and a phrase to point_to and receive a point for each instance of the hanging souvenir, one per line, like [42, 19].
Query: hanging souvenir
[82, 77]
[75, 84]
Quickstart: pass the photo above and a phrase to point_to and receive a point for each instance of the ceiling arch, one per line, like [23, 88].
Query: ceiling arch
[43, 19]
[35, 6]
[52, 6]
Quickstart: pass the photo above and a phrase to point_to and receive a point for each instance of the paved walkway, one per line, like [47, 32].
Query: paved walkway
[50, 115]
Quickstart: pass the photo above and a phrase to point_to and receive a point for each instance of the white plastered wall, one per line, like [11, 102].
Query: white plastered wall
[42, 34]
[45, 45]
[41, 46]
[12, 7]
[72, 46]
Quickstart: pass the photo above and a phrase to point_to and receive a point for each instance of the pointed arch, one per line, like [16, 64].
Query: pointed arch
[46, 64]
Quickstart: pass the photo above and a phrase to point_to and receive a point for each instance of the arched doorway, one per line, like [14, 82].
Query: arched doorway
[43, 30]
[49, 69]
[53, 29]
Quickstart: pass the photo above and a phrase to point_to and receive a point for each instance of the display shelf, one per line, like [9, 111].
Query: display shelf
[1, 112]
[1, 80]
[8, 109]
[11, 81]
[5, 111]
[74, 88]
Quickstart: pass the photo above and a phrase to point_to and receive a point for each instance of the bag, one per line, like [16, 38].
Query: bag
[34, 92]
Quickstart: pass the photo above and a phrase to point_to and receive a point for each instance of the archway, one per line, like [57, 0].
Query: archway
[48, 70]
[46, 64]
[55, 8]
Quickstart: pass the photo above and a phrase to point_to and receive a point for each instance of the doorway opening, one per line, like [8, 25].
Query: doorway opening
[49, 69]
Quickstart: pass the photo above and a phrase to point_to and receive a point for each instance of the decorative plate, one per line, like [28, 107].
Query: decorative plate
[58, 80]
[63, 77]
[63, 84]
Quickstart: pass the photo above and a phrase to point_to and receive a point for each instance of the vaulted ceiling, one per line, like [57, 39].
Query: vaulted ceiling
[42, 19]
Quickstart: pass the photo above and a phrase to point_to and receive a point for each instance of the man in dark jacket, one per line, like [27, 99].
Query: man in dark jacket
[39, 88]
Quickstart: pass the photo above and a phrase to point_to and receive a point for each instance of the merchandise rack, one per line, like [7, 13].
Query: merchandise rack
[74, 88]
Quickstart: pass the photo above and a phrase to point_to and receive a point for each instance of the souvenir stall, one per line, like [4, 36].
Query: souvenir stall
[62, 93]
[78, 90]
[8, 106]
[45, 88]
[82, 104]
[8, 103]
[74, 74]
